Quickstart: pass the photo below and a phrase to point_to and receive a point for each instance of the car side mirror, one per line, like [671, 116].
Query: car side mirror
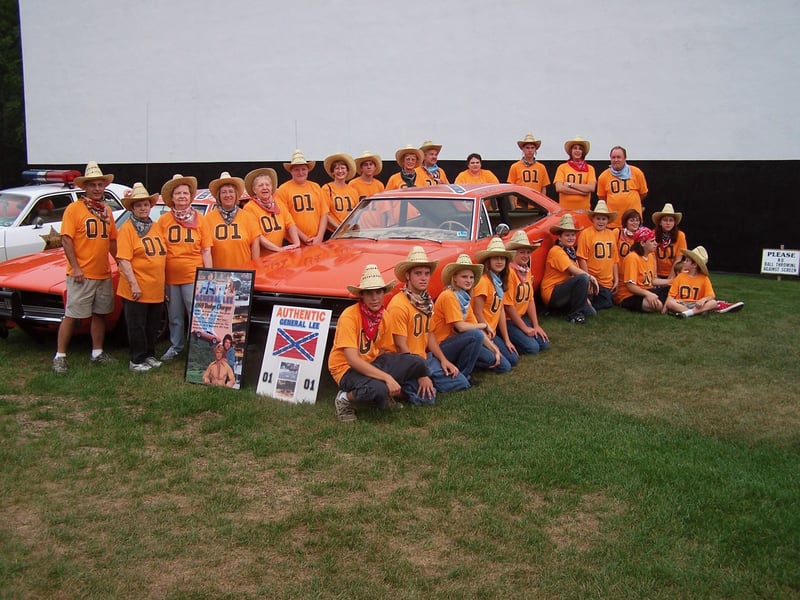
[37, 222]
[501, 230]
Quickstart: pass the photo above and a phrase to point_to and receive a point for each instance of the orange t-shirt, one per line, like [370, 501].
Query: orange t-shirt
[306, 203]
[599, 249]
[341, 199]
[566, 174]
[184, 246]
[519, 294]
[690, 288]
[148, 257]
[91, 237]
[447, 312]
[555, 271]
[534, 176]
[493, 305]
[232, 246]
[365, 189]
[425, 178]
[403, 319]
[484, 176]
[622, 194]
[639, 270]
[350, 334]
[665, 257]
[273, 227]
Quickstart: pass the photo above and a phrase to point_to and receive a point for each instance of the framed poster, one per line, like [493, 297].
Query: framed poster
[218, 327]
[294, 354]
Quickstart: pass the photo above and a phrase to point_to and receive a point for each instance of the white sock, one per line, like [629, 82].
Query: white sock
[96, 353]
[60, 355]
[688, 313]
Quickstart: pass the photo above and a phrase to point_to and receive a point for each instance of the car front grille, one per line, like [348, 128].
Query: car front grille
[31, 307]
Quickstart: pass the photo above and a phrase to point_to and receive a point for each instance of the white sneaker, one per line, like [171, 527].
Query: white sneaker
[139, 367]
[344, 408]
[153, 362]
[169, 354]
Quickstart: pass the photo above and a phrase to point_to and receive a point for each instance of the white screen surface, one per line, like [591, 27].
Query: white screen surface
[205, 81]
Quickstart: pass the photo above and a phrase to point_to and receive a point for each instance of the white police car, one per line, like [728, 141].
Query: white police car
[29, 215]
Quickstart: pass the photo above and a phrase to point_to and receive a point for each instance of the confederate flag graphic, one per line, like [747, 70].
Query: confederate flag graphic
[294, 343]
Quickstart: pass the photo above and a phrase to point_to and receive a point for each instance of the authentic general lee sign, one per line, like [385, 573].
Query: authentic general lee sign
[780, 262]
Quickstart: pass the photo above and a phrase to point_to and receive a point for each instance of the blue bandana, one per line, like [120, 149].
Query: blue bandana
[624, 173]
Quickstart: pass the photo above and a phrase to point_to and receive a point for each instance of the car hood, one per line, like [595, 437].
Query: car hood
[43, 272]
[327, 269]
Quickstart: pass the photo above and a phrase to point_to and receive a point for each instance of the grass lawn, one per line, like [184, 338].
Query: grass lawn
[643, 456]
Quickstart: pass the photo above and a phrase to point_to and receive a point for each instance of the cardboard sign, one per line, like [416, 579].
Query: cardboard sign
[294, 354]
[780, 262]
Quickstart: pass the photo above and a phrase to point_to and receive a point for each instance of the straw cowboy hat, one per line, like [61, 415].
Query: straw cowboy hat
[169, 187]
[226, 179]
[429, 145]
[367, 155]
[602, 209]
[577, 140]
[529, 139]
[520, 240]
[463, 262]
[371, 279]
[416, 258]
[139, 192]
[667, 211]
[346, 159]
[565, 224]
[699, 256]
[299, 159]
[93, 172]
[496, 247]
[398, 156]
[250, 179]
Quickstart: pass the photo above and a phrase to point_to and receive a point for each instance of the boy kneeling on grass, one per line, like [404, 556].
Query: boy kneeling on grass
[364, 373]
[690, 292]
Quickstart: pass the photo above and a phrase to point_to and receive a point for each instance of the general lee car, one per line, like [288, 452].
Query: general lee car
[30, 216]
[446, 220]
[33, 287]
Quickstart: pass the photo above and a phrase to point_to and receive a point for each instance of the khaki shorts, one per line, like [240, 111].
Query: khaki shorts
[93, 296]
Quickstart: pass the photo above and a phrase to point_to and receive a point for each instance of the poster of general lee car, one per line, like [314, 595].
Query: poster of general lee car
[218, 327]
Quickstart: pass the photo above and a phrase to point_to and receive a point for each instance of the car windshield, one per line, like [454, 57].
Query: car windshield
[11, 205]
[437, 219]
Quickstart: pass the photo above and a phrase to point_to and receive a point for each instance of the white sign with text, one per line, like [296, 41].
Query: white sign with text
[294, 354]
[780, 262]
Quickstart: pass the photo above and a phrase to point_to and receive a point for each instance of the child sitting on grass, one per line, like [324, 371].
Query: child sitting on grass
[690, 291]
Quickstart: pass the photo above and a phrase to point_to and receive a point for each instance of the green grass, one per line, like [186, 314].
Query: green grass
[641, 457]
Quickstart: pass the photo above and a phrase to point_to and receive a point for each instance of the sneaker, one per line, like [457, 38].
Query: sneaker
[726, 307]
[577, 319]
[170, 354]
[393, 404]
[103, 359]
[139, 367]
[344, 408]
[60, 364]
[153, 362]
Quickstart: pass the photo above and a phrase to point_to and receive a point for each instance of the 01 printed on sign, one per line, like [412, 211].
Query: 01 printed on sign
[294, 354]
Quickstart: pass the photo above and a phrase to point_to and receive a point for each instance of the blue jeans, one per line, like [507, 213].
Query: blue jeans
[525, 343]
[179, 305]
[462, 349]
[445, 383]
[486, 357]
[404, 368]
[602, 299]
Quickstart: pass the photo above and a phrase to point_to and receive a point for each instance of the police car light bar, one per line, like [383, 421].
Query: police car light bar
[57, 176]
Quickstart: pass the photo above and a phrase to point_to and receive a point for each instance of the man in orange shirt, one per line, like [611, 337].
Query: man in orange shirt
[88, 235]
[527, 171]
[622, 186]
[368, 167]
[429, 172]
[357, 362]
